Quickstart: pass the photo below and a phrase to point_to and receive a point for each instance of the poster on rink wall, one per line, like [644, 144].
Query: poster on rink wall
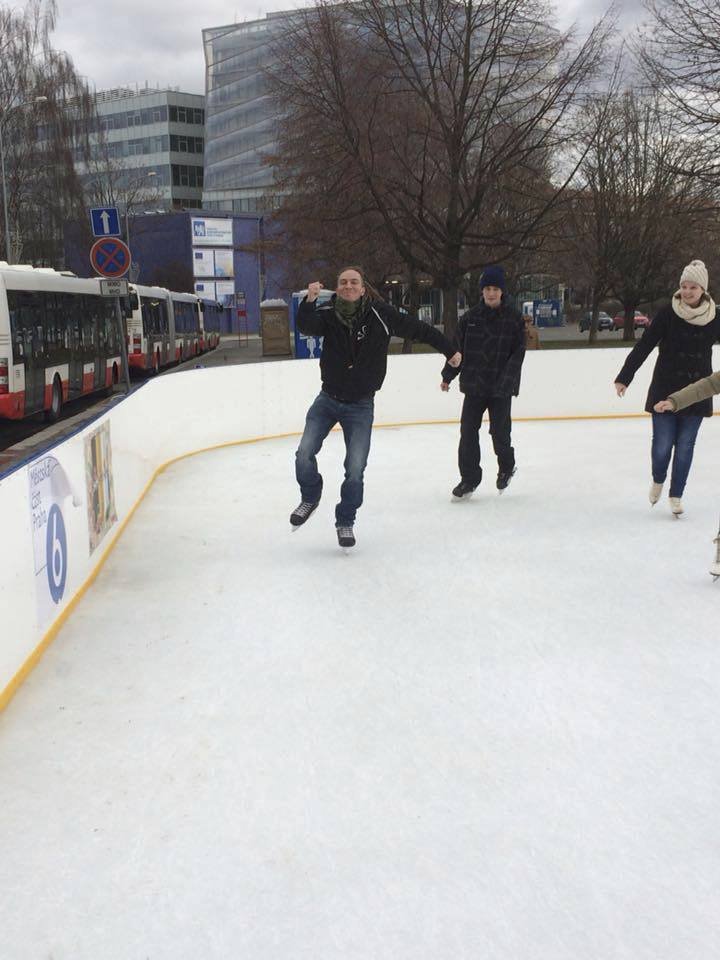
[99, 484]
[52, 499]
[211, 232]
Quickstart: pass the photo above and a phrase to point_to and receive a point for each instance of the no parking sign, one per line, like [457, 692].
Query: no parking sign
[110, 257]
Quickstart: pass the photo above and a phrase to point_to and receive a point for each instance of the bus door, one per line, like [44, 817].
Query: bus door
[90, 357]
[99, 316]
[26, 310]
[164, 329]
[73, 313]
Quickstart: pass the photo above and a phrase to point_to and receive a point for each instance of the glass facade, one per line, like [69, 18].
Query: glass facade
[241, 119]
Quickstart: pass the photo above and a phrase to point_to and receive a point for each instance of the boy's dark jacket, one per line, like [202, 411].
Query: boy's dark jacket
[492, 343]
[354, 363]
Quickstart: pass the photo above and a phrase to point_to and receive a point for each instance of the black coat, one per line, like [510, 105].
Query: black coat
[354, 363]
[492, 343]
[684, 355]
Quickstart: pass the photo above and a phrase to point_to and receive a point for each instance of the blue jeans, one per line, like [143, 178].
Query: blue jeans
[356, 420]
[672, 430]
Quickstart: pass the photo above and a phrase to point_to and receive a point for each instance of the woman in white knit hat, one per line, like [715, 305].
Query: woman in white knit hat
[684, 333]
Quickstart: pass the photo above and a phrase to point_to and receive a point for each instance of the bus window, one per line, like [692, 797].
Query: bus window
[88, 327]
[73, 330]
[110, 325]
[18, 334]
[55, 324]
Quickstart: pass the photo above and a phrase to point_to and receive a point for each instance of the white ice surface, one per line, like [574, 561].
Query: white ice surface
[491, 731]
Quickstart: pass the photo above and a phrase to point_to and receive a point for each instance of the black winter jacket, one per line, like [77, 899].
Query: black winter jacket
[492, 343]
[353, 364]
[684, 355]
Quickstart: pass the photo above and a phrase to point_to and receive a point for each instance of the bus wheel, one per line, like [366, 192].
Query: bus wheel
[56, 402]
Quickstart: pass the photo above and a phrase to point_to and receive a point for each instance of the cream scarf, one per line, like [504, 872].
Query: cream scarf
[699, 316]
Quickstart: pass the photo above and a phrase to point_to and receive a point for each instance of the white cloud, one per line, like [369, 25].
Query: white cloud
[586, 12]
[132, 42]
[137, 41]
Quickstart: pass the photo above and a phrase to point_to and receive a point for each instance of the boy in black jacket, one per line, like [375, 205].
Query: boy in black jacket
[491, 338]
[357, 332]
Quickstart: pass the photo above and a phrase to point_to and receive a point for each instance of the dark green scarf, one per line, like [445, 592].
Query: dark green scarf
[347, 311]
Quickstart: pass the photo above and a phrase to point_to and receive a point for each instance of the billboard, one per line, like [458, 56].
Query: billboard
[203, 263]
[223, 263]
[206, 289]
[211, 232]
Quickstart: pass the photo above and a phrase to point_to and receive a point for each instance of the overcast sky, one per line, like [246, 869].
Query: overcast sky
[137, 41]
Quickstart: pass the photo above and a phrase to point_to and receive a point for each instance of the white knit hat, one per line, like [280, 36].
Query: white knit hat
[696, 272]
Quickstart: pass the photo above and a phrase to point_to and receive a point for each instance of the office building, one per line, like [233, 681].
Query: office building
[153, 146]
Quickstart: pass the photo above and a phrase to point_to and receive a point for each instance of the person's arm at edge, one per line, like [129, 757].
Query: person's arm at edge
[642, 350]
[514, 363]
[308, 319]
[695, 392]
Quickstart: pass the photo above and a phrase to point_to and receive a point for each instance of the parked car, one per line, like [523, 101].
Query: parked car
[640, 320]
[604, 321]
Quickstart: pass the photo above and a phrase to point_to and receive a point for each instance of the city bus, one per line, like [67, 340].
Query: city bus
[59, 339]
[150, 329]
[187, 325]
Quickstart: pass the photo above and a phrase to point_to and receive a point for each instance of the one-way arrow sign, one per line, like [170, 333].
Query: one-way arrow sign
[105, 221]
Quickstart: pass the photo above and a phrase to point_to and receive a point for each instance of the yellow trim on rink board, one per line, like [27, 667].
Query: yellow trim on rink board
[28, 666]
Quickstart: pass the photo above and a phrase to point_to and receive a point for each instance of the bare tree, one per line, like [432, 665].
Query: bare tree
[637, 206]
[45, 114]
[445, 116]
[679, 51]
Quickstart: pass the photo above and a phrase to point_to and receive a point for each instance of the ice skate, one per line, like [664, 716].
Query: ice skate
[655, 491]
[346, 537]
[463, 489]
[302, 512]
[676, 506]
[504, 478]
[715, 567]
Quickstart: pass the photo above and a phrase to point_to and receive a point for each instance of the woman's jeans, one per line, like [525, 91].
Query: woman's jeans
[671, 430]
[356, 420]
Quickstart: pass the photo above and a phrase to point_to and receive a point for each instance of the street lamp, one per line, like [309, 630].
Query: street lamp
[26, 103]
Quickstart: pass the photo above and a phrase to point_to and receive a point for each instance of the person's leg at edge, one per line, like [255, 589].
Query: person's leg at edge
[469, 448]
[500, 430]
[663, 439]
[321, 418]
[685, 436]
[356, 420]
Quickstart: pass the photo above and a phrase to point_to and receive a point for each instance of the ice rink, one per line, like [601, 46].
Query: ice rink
[491, 731]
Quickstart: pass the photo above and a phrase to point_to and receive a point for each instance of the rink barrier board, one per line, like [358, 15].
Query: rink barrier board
[124, 420]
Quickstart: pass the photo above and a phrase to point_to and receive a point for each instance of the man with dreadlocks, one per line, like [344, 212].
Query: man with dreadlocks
[357, 326]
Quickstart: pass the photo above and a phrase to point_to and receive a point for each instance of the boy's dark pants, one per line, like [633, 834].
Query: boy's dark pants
[500, 426]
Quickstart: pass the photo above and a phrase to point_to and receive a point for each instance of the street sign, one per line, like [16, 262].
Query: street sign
[105, 221]
[114, 288]
[110, 257]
